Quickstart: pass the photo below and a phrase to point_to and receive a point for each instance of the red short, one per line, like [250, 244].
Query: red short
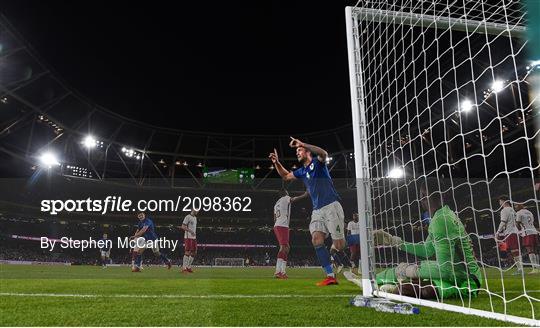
[190, 244]
[530, 241]
[282, 235]
[354, 249]
[512, 240]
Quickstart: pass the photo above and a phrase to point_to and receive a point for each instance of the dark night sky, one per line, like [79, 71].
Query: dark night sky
[241, 66]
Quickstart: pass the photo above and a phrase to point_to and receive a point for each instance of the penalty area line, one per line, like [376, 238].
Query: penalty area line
[216, 296]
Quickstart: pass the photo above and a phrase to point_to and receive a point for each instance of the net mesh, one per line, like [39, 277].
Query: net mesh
[447, 98]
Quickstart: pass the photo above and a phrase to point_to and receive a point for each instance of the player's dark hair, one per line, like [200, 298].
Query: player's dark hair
[504, 198]
[437, 191]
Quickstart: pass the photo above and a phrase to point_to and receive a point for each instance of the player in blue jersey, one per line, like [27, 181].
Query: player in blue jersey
[105, 251]
[145, 231]
[327, 217]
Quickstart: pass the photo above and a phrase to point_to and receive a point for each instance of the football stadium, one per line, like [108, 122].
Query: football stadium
[358, 163]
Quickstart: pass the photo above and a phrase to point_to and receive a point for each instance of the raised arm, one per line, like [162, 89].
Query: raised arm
[321, 153]
[283, 172]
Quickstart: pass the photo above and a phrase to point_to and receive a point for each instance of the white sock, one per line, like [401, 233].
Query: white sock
[190, 261]
[283, 266]
[519, 264]
[278, 265]
[185, 262]
[534, 260]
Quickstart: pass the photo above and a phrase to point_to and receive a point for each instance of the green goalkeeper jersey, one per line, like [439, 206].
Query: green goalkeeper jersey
[451, 248]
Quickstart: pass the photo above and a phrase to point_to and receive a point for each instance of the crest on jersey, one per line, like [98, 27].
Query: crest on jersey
[311, 166]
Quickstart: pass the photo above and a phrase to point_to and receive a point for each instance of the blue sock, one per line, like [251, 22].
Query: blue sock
[138, 260]
[324, 259]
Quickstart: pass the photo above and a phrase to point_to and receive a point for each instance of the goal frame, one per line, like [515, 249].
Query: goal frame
[362, 169]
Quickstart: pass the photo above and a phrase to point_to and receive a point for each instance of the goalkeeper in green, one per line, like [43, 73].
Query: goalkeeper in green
[449, 267]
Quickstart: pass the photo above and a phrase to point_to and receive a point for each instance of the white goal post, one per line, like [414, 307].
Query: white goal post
[229, 262]
[440, 91]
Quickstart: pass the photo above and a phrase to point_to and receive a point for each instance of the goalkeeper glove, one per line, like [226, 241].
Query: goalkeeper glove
[406, 271]
[383, 238]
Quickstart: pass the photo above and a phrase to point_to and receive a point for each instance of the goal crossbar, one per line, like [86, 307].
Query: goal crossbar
[431, 21]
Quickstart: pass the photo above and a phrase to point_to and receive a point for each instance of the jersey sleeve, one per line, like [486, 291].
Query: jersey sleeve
[423, 249]
[186, 220]
[298, 173]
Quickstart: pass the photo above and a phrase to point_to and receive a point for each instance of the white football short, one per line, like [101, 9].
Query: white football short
[329, 219]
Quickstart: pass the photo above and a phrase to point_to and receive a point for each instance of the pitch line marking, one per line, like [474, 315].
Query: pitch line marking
[216, 296]
[179, 296]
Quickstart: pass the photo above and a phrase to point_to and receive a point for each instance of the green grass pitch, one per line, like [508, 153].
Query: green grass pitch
[91, 296]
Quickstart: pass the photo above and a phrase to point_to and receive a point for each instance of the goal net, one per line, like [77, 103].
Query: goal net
[444, 126]
[229, 262]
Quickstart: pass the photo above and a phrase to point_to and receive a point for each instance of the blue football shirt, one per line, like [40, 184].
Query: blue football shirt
[318, 182]
[150, 234]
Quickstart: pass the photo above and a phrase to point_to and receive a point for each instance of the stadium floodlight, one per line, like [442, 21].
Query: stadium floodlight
[129, 152]
[497, 86]
[89, 142]
[466, 106]
[396, 173]
[329, 159]
[49, 160]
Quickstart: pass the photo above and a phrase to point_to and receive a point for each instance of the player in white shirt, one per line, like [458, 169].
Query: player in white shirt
[282, 217]
[508, 231]
[353, 238]
[525, 221]
[189, 225]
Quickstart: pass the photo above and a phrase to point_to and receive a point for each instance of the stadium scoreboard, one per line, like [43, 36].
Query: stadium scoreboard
[228, 176]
